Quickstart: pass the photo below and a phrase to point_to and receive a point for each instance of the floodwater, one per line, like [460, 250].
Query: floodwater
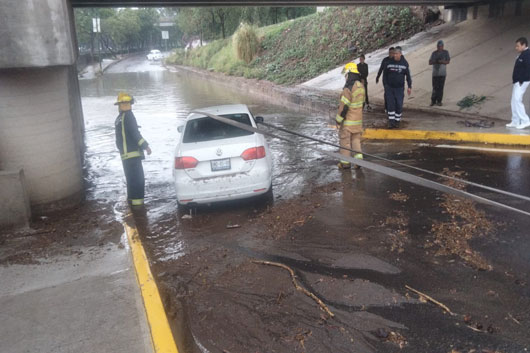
[355, 239]
[163, 100]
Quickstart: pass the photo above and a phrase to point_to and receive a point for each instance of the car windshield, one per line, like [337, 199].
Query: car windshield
[207, 129]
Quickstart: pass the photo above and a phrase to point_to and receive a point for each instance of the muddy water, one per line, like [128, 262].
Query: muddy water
[345, 236]
[163, 100]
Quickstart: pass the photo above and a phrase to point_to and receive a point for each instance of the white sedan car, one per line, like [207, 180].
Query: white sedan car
[154, 54]
[219, 162]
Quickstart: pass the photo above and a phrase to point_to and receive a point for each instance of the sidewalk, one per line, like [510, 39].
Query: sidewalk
[435, 123]
[83, 300]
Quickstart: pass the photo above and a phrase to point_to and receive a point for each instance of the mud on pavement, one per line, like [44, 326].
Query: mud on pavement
[87, 227]
[354, 245]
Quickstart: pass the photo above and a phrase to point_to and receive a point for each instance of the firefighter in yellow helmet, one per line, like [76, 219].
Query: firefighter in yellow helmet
[349, 118]
[131, 145]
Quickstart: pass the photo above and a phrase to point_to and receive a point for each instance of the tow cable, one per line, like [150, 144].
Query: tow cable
[463, 181]
[382, 169]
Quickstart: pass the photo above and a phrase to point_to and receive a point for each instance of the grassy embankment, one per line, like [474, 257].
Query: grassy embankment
[295, 51]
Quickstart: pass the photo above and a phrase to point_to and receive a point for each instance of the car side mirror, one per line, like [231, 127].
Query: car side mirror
[259, 119]
[180, 128]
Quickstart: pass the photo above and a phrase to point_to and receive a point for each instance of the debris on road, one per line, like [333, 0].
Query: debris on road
[465, 223]
[392, 337]
[480, 123]
[296, 285]
[432, 300]
[399, 196]
[232, 226]
[399, 236]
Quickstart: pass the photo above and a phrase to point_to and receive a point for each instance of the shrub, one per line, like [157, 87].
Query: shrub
[246, 42]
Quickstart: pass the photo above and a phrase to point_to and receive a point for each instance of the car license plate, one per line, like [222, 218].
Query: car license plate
[220, 164]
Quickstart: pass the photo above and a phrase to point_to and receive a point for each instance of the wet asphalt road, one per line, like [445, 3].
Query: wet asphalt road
[354, 217]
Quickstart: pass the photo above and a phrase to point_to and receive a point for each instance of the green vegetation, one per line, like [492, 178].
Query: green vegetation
[470, 101]
[207, 23]
[121, 29]
[246, 43]
[138, 29]
[300, 49]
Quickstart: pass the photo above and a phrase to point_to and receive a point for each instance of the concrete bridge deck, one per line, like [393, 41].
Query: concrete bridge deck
[161, 3]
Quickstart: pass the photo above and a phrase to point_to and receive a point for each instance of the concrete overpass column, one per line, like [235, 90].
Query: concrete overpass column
[41, 122]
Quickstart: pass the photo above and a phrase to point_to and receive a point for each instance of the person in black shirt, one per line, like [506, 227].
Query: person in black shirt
[439, 60]
[394, 75]
[521, 81]
[363, 71]
[382, 68]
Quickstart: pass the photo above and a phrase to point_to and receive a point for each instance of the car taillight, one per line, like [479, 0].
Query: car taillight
[253, 153]
[185, 162]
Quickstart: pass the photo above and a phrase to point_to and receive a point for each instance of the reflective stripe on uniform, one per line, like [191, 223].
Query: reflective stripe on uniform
[353, 122]
[124, 140]
[137, 202]
[131, 155]
[358, 156]
[141, 142]
[339, 119]
[357, 103]
[345, 162]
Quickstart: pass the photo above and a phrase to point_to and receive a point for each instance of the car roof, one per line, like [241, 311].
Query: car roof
[155, 51]
[221, 110]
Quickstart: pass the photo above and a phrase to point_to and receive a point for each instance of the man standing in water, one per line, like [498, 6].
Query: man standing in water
[131, 145]
[349, 118]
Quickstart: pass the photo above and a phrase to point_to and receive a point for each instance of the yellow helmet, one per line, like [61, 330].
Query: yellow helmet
[124, 98]
[350, 67]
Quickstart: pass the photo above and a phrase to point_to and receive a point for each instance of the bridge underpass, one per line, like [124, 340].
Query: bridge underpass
[162, 3]
[41, 121]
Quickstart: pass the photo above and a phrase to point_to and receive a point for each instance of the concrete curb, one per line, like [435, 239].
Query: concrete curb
[161, 335]
[477, 137]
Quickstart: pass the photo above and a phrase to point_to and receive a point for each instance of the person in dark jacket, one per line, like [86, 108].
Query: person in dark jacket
[394, 75]
[382, 68]
[521, 81]
[439, 60]
[131, 145]
[363, 71]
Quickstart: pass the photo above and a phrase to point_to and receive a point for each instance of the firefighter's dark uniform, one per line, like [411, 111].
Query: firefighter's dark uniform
[131, 145]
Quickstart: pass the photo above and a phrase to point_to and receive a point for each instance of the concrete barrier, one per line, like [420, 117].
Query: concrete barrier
[14, 208]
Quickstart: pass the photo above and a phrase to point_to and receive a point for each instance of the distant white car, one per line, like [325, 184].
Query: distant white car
[219, 162]
[154, 54]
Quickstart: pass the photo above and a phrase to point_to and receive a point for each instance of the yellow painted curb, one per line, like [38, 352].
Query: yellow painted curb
[161, 335]
[501, 139]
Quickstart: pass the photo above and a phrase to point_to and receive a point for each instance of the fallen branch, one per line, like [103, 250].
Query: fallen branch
[296, 285]
[474, 329]
[432, 300]
[514, 319]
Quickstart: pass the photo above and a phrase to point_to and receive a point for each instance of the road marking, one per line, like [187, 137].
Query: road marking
[487, 149]
[161, 335]
[502, 139]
